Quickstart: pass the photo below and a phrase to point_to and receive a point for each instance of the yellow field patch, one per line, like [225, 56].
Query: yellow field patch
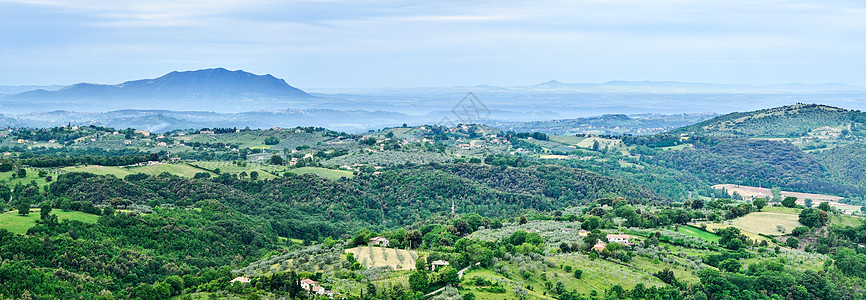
[398, 259]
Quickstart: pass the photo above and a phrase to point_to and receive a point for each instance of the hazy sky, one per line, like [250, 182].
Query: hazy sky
[435, 43]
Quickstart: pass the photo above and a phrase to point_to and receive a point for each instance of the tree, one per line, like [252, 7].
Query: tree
[254, 175]
[449, 275]
[242, 175]
[108, 211]
[667, 276]
[5, 167]
[22, 173]
[421, 264]
[825, 206]
[414, 238]
[813, 217]
[808, 202]
[272, 140]
[24, 207]
[418, 281]
[175, 284]
[44, 212]
[462, 226]
[276, 160]
[759, 203]
[799, 230]
[792, 242]
[697, 204]
[591, 223]
[578, 273]
[730, 265]
[559, 288]
[789, 202]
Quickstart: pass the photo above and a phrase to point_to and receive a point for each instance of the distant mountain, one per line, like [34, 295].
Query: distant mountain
[209, 89]
[787, 121]
[16, 89]
[688, 87]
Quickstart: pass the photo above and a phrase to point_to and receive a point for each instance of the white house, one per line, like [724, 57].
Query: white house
[618, 238]
[438, 263]
[379, 240]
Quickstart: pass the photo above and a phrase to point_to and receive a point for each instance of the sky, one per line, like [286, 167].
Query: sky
[356, 44]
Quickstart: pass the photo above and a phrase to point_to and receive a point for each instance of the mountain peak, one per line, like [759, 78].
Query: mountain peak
[213, 87]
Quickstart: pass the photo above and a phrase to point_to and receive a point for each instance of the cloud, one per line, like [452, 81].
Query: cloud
[383, 43]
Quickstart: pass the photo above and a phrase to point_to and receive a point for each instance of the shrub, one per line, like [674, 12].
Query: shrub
[793, 242]
[730, 265]
[799, 230]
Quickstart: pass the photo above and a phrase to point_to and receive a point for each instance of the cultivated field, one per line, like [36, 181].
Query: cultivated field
[695, 232]
[760, 223]
[231, 168]
[19, 224]
[322, 172]
[756, 192]
[398, 259]
[120, 172]
[766, 222]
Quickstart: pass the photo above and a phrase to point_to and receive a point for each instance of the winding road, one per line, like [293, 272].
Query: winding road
[459, 276]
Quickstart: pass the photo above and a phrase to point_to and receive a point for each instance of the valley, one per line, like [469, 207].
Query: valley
[232, 212]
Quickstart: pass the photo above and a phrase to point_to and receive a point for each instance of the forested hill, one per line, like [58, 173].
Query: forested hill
[311, 207]
[782, 122]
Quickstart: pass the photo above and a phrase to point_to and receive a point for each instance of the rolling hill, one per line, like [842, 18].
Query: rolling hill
[781, 122]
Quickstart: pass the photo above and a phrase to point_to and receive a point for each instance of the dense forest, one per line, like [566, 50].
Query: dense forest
[310, 207]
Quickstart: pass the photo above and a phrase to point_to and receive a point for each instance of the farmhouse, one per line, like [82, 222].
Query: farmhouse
[379, 240]
[318, 290]
[599, 247]
[582, 232]
[438, 263]
[307, 284]
[240, 279]
[313, 288]
[618, 238]
[567, 230]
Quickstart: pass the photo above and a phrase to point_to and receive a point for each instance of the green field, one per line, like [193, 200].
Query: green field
[322, 172]
[19, 224]
[567, 139]
[120, 172]
[32, 174]
[695, 232]
[231, 168]
[845, 220]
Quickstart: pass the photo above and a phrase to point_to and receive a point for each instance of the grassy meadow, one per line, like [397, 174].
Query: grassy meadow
[120, 172]
[20, 224]
[323, 172]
